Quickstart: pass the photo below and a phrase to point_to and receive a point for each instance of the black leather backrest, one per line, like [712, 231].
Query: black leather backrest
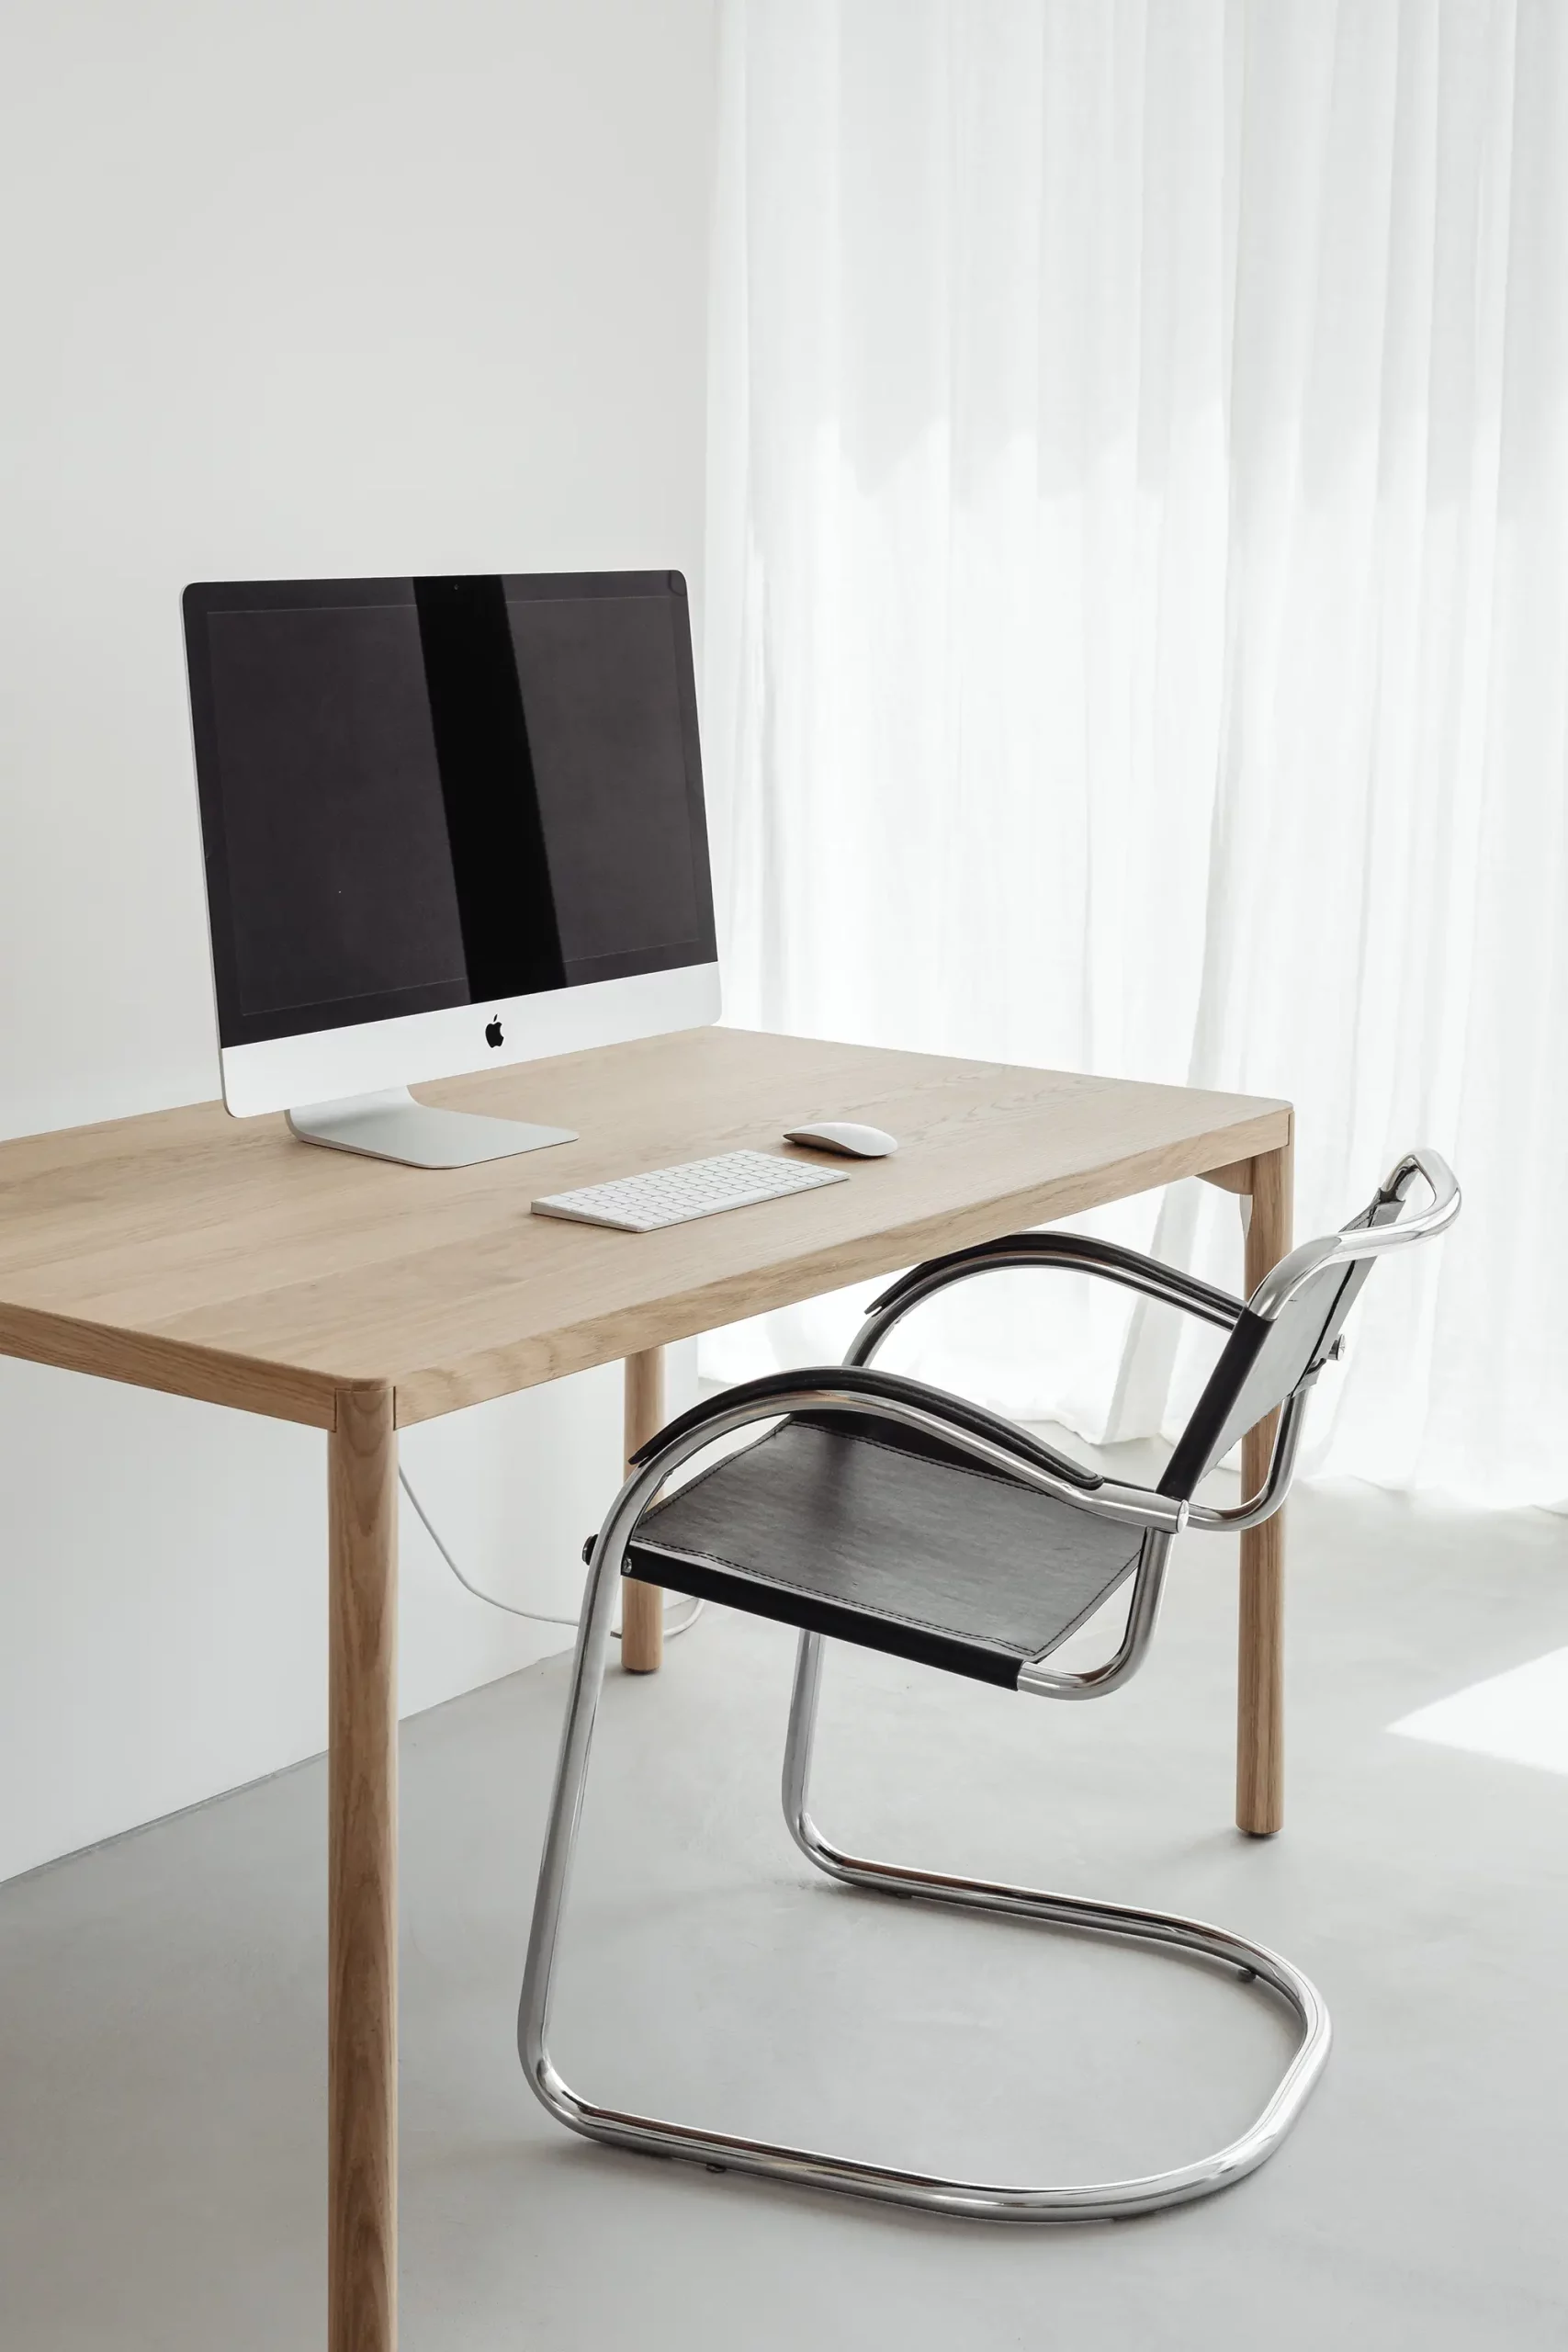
[1264, 1360]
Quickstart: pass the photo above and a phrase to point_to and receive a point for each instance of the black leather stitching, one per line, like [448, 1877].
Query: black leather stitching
[664, 1502]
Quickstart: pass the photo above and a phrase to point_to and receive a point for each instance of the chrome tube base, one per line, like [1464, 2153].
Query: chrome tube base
[808, 2168]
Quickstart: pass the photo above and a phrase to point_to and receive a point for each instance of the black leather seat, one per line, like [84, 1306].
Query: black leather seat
[861, 1531]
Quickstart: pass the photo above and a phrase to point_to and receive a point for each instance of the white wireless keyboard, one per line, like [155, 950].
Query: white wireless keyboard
[702, 1188]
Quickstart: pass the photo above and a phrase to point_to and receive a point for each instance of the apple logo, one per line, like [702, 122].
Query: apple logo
[492, 1031]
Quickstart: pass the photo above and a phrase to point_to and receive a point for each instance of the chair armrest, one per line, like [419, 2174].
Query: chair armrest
[997, 1444]
[1211, 1519]
[781, 1392]
[1075, 1252]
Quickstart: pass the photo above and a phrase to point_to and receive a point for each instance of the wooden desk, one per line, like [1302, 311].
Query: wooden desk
[188, 1252]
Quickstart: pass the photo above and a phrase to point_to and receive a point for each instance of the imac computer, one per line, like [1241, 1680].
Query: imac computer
[447, 823]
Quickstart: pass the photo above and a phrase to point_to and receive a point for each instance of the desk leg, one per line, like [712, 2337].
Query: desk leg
[362, 1916]
[1260, 1717]
[642, 1605]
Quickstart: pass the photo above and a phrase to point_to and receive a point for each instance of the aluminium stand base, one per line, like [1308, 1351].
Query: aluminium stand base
[392, 1125]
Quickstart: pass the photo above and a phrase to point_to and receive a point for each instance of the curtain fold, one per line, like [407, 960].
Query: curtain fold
[1137, 633]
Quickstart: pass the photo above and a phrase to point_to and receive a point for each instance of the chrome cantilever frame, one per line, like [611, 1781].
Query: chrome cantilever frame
[929, 2191]
[1210, 1519]
[992, 1442]
[1368, 1235]
[1096, 2202]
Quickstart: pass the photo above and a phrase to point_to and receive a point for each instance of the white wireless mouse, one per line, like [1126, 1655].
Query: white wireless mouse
[845, 1136]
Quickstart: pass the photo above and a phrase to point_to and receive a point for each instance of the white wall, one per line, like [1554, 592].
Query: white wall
[311, 287]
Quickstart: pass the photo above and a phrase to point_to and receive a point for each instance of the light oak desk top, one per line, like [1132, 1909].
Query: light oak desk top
[226, 1261]
[222, 1259]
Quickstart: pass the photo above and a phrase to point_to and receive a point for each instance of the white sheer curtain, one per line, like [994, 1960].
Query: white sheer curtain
[1138, 631]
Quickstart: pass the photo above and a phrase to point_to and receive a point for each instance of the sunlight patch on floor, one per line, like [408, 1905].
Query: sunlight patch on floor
[1520, 1717]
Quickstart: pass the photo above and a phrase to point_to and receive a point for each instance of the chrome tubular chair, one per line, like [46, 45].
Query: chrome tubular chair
[889, 1513]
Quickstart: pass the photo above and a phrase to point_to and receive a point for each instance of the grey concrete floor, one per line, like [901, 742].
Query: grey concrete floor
[161, 2010]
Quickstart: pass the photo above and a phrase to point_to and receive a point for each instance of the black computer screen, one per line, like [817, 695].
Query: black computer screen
[432, 792]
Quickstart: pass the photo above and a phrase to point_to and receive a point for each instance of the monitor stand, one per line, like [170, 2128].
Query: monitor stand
[392, 1125]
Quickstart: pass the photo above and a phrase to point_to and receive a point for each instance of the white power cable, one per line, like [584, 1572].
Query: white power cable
[535, 1616]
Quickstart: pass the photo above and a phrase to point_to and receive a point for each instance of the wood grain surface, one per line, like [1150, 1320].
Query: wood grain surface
[642, 1605]
[362, 1895]
[224, 1259]
[1260, 1658]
